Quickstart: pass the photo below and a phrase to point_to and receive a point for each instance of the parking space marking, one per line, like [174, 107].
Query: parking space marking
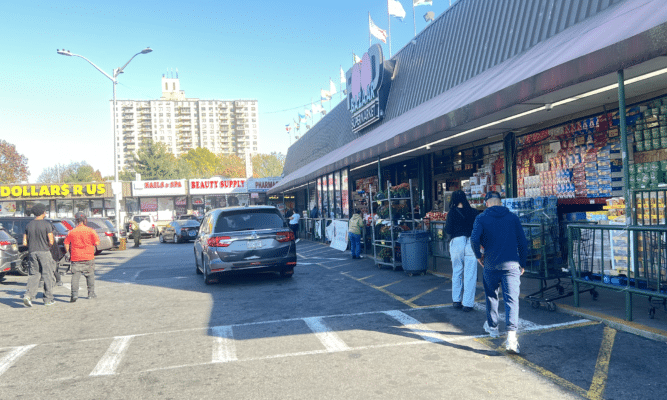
[389, 284]
[599, 381]
[7, 361]
[111, 359]
[224, 349]
[331, 341]
[388, 293]
[415, 326]
[423, 294]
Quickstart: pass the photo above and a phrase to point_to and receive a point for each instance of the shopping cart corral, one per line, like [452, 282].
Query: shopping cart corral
[555, 279]
[629, 259]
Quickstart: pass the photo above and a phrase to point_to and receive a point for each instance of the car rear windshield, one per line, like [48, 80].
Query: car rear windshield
[189, 223]
[4, 236]
[60, 228]
[245, 220]
[138, 218]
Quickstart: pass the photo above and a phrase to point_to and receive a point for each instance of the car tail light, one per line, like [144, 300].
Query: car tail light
[219, 241]
[108, 233]
[59, 236]
[4, 245]
[286, 236]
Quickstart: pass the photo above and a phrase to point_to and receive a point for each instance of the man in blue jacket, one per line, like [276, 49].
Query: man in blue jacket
[505, 251]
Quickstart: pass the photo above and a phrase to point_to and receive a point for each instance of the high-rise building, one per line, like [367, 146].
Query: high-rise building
[222, 126]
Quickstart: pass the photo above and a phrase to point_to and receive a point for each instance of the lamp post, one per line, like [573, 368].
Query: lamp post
[114, 80]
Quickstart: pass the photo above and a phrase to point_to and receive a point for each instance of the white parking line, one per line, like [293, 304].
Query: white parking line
[415, 326]
[224, 349]
[7, 361]
[329, 339]
[111, 359]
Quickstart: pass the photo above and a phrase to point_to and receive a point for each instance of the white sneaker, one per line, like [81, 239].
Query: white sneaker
[297, 241]
[491, 331]
[512, 344]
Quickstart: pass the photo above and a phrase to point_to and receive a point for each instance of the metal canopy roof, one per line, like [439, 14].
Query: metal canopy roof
[630, 36]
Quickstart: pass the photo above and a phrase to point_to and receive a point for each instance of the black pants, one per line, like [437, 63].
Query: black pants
[295, 229]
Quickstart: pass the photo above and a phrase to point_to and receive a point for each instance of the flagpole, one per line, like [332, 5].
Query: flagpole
[340, 85]
[389, 29]
[369, 29]
[414, 21]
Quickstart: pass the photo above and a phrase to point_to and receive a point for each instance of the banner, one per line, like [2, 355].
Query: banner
[339, 241]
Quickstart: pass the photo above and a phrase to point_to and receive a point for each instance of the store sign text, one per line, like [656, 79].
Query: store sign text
[65, 189]
[217, 184]
[368, 88]
[366, 116]
[162, 184]
[265, 185]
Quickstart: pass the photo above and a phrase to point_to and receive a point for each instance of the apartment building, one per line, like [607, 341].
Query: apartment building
[222, 126]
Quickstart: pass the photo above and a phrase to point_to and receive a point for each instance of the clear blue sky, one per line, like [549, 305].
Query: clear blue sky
[55, 109]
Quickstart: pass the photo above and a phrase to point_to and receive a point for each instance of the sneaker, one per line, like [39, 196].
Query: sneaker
[73, 299]
[297, 241]
[50, 303]
[467, 309]
[457, 304]
[92, 296]
[493, 332]
[27, 301]
[59, 283]
[512, 344]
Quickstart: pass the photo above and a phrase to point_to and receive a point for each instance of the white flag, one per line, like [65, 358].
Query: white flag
[356, 58]
[332, 88]
[307, 112]
[422, 3]
[324, 95]
[377, 32]
[342, 76]
[396, 9]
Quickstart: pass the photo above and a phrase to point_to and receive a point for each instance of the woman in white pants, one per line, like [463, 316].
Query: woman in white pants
[460, 220]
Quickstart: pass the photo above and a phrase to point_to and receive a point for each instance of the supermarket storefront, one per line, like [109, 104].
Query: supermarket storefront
[62, 200]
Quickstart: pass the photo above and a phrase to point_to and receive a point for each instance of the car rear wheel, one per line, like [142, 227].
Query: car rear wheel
[24, 266]
[175, 239]
[161, 238]
[197, 265]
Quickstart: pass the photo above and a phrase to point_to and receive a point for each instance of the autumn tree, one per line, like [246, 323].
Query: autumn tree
[13, 166]
[265, 165]
[230, 166]
[198, 163]
[154, 161]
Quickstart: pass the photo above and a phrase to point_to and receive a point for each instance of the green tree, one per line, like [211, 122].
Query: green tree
[198, 163]
[265, 165]
[124, 175]
[154, 161]
[13, 166]
[231, 166]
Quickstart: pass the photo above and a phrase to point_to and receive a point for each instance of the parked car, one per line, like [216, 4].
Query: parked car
[180, 231]
[106, 237]
[15, 226]
[10, 258]
[111, 230]
[148, 228]
[249, 238]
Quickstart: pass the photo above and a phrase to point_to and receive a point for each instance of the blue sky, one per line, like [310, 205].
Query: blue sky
[55, 109]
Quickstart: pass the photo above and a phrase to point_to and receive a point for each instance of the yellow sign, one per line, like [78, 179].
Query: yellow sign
[56, 190]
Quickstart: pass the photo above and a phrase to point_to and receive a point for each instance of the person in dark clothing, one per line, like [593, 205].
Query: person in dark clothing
[314, 213]
[504, 260]
[38, 237]
[460, 220]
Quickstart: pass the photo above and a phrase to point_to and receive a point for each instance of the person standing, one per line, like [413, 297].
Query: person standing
[460, 220]
[355, 229]
[136, 232]
[80, 243]
[504, 260]
[294, 223]
[38, 237]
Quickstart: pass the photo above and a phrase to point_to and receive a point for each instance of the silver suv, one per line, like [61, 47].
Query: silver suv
[252, 238]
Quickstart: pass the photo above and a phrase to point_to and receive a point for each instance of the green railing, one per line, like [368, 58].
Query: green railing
[629, 259]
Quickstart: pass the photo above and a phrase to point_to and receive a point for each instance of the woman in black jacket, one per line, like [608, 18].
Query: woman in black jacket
[460, 220]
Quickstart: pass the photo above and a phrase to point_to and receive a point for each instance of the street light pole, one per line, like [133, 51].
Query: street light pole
[114, 80]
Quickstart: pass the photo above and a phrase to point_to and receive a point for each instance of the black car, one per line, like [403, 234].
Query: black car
[15, 226]
[10, 257]
[180, 231]
[251, 238]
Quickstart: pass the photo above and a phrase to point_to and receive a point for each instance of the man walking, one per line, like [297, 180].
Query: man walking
[80, 243]
[38, 237]
[505, 251]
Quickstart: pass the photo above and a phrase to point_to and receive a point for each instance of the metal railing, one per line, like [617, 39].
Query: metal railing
[629, 259]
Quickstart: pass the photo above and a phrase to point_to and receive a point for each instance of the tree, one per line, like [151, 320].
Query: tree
[125, 175]
[154, 161]
[265, 165]
[13, 166]
[74, 172]
[198, 163]
[231, 166]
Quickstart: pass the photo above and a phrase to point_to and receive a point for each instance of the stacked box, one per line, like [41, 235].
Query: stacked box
[604, 171]
[590, 168]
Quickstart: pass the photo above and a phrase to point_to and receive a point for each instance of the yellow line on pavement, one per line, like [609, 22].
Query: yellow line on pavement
[545, 373]
[390, 294]
[389, 284]
[599, 381]
[423, 294]
[608, 318]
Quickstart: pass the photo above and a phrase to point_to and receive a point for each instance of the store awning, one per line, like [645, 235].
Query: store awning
[578, 59]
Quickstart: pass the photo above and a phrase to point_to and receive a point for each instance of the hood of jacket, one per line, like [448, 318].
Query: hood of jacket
[496, 212]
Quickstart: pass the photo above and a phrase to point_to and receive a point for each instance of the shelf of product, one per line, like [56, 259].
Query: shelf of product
[395, 215]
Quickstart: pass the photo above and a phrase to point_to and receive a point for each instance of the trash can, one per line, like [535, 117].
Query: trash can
[414, 251]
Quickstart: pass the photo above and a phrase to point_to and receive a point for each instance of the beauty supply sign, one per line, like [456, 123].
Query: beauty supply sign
[368, 84]
[217, 186]
[159, 188]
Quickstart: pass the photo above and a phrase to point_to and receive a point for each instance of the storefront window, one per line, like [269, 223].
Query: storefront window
[132, 206]
[82, 206]
[312, 201]
[29, 204]
[198, 205]
[148, 204]
[345, 192]
[109, 207]
[9, 208]
[319, 195]
[338, 209]
[330, 193]
[181, 204]
[96, 209]
[165, 208]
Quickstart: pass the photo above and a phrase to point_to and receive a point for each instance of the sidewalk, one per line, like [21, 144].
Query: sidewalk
[609, 307]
